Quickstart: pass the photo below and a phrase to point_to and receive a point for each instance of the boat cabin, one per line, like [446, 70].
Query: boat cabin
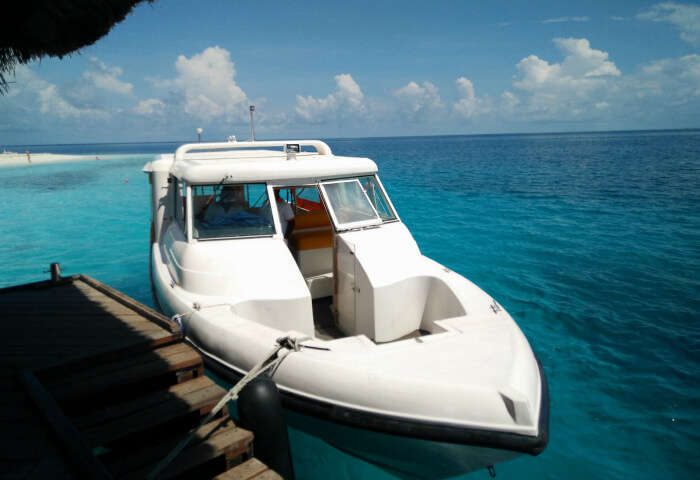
[295, 238]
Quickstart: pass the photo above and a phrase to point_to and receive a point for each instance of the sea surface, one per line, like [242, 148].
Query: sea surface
[590, 240]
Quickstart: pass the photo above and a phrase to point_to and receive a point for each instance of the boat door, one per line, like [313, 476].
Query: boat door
[349, 209]
[345, 289]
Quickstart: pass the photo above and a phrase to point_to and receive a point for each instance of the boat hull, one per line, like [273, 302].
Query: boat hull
[403, 456]
[402, 447]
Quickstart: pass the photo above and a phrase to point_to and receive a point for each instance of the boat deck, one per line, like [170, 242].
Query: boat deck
[96, 385]
[326, 328]
[324, 322]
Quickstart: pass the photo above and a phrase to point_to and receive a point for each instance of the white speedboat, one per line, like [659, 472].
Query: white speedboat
[412, 366]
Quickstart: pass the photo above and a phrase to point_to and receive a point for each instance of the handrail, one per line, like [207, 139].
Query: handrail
[321, 147]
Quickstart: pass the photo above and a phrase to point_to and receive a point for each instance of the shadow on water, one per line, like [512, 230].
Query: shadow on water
[55, 181]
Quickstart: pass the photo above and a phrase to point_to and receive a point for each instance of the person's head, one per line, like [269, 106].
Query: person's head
[232, 194]
[277, 195]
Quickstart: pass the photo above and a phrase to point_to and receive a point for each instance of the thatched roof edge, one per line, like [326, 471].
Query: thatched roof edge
[33, 29]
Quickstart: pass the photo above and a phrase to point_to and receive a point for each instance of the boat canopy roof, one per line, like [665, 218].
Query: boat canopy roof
[205, 163]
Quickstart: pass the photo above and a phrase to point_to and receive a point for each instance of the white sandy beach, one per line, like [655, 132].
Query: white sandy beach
[8, 159]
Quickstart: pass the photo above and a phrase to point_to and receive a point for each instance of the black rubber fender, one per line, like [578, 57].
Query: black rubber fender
[260, 411]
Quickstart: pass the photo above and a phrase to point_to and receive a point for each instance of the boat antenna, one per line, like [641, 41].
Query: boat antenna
[252, 126]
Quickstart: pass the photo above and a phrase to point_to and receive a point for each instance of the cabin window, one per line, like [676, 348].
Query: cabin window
[307, 200]
[226, 211]
[349, 205]
[376, 195]
[180, 204]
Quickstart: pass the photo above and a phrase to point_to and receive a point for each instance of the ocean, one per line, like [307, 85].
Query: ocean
[590, 240]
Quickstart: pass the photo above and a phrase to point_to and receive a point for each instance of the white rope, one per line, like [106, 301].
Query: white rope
[270, 362]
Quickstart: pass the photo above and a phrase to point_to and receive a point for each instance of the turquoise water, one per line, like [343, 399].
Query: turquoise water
[591, 241]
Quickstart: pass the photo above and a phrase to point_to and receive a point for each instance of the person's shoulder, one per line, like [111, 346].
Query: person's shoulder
[289, 213]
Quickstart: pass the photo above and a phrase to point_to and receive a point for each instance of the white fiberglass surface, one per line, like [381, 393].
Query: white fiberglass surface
[348, 204]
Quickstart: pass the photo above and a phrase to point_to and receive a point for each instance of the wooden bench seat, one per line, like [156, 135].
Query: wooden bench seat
[312, 231]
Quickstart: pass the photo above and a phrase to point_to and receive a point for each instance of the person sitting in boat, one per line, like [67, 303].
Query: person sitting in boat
[231, 201]
[286, 215]
[232, 215]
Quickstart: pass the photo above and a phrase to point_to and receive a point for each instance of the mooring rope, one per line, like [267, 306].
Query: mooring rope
[271, 361]
[177, 318]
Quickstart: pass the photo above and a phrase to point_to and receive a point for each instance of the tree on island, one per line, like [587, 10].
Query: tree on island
[33, 29]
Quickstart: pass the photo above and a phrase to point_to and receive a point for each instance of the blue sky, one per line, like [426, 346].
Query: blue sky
[326, 69]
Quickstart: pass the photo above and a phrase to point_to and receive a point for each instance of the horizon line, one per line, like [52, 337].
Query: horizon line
[573, 132]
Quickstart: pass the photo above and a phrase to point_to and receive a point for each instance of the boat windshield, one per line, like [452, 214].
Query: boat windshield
[349, 205]
[376, 195]
[225, 211]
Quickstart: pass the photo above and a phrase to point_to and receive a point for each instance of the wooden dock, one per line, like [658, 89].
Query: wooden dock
[96, 385]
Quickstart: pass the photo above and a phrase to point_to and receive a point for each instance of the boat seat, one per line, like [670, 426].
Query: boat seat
[314, 240]
[313, 231]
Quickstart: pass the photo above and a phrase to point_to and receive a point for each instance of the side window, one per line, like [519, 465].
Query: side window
[308, 200]
[231, 210]
[180, 204]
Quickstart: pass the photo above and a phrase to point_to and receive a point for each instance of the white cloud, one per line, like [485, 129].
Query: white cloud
[469, 104]
[685, 17]
[152, 106]
[565, 19]
[674, 80]
[580, 80]
[419, 101]
[53, 104]
[581, 59]
[33, 94]
[509, 102]
[208, 87]
[107, 78]
[99, 87]
[587, 86]
[582, 85]
[346, 101]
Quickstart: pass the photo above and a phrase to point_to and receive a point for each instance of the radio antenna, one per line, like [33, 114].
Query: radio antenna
[252, 126]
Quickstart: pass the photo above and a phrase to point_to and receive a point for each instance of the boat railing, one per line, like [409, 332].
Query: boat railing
[321, 147]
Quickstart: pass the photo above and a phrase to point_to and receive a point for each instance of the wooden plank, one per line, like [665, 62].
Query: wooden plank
[138, 344]
[88, 289]
[245, 471]
[107, 414]
[40, 285]
[41, 306]
[50, 465]
[77, 315]
[85, 343]
[230, 444]
[127, 462]
[71, 441]
[113, 423]
[78, 336]
[169, 354]
[123, 372]
[268, 475]
[71, 326]
[149, 313]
